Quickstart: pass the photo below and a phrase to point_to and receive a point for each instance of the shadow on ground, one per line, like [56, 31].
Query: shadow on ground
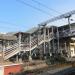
[69, 71]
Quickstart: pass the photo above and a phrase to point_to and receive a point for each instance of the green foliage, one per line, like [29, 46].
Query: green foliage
[55, 59]
[60, 59]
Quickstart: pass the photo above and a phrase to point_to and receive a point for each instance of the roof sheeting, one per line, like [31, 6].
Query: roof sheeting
[6, 37]
[32, 30]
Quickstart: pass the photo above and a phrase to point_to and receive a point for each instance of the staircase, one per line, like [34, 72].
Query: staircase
[16, 48]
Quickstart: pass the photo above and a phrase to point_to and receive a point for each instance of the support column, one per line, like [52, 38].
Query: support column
[3, 49]
[19, 41]
[39, 46]
[65, 46]
[53, 40]
[38, 35]
[48, 34]
[30, 57]
[69, 49]
[8, 43]
[58, 40]
[49, 42]
[44, 39]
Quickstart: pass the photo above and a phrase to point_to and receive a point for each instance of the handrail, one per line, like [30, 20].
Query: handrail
[11, 49]
[11, 46]
[41, 38]
[34, 42]
[26, 45]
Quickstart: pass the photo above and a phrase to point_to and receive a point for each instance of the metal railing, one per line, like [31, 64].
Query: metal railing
[26, 45]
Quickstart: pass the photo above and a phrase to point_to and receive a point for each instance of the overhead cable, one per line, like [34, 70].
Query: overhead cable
[36, 8]
[51, 9]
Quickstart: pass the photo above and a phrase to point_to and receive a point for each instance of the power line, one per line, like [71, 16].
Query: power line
[9, 26]
[43, 11]
[7, 23]
[45, 6]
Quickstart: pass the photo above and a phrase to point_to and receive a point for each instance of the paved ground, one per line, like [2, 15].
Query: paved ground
[60, 71]
[56, 71]
[63, 69]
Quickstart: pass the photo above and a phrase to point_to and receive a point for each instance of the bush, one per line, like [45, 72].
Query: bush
[55, 59]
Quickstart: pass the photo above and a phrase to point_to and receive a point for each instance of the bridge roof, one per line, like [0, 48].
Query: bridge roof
[6, 37]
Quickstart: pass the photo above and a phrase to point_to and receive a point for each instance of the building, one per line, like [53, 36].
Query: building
[38, 42]
[67, 39]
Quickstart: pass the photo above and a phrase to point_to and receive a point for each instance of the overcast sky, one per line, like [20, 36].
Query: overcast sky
[16, 16]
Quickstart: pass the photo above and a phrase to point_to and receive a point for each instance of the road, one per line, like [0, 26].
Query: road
[65, 70]
[60, 71]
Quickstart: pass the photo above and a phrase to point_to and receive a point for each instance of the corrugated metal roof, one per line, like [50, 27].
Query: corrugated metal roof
[72, 24]
[6, 37]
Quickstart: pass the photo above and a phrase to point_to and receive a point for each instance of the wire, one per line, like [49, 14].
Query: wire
[8, 23]
[12, 25]
[43, 11]
[45, 6]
